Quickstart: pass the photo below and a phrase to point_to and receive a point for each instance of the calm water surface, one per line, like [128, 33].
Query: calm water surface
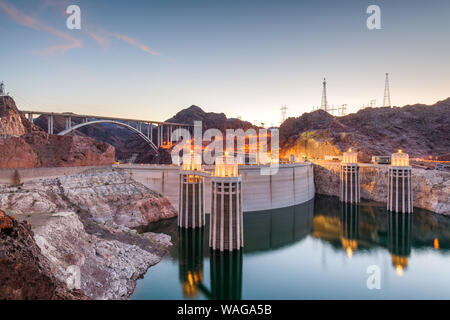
[317, 250]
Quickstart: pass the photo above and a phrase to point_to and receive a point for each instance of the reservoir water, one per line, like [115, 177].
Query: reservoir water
[317, 250]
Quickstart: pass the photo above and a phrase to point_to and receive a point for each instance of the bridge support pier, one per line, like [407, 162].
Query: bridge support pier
[68, 122]
[50, 124]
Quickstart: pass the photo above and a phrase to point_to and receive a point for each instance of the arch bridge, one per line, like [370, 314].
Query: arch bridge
[154, 133]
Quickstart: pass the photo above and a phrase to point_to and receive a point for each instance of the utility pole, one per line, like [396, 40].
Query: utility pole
[2, 89]
[387, 94]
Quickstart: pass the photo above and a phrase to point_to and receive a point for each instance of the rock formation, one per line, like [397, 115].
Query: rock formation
[109, 197]
[25, 273]
[209, 119]
[109, 267]
[12, 122]
[24, 145]
[83, 221]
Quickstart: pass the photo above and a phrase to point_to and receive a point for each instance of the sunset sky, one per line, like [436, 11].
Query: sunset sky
[150, 59]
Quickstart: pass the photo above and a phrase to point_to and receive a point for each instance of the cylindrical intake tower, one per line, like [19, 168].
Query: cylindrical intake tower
[350, 183]
[191, 211]
[399, 195]
[226, 226]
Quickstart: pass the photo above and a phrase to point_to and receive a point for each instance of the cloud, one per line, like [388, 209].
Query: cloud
[135, 43]
[101, 40]
[32, 23]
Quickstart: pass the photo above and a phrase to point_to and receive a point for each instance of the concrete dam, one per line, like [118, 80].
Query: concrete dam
[293, 184]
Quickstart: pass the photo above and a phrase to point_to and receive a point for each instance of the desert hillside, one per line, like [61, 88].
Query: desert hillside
[420, 130]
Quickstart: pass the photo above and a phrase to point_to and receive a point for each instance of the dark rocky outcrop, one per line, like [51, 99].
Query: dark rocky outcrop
[420, 130]
[24, 272]
[209, 119]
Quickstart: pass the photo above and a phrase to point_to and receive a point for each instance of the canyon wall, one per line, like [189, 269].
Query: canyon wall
[430, 187]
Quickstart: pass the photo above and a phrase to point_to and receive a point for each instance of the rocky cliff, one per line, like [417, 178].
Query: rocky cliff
[12, 122]
[84, 221]
[24, 145]
[110, 261]
[430, 187]
[25, 273]
[420, 130]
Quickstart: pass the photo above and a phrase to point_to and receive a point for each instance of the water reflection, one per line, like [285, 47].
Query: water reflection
[349, 227]
[297, 236]
[273, 229]
[225, 268]
[226, 275]
[190, 260]
[400, 239]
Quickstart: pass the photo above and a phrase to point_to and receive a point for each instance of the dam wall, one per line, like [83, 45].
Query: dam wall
[8, 176]
[293, 184]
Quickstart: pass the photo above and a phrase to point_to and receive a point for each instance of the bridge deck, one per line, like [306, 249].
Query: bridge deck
[74, 115]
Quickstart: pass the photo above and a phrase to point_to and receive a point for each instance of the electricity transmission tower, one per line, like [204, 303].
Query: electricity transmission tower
[324, 105]
[283, 113]
[387, 94]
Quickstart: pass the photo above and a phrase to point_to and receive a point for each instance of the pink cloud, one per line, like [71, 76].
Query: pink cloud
[100, 39]
[32, 23]
[135, 43]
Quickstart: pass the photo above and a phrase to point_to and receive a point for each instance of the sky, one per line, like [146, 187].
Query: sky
[150, 59]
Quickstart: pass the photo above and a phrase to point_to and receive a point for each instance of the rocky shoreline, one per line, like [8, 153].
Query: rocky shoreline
[430, 187]
[84, 223]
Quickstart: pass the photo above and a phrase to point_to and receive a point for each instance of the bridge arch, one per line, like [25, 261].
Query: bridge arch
[139, 133]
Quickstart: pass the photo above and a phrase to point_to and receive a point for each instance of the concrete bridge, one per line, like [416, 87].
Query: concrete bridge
[143, 128]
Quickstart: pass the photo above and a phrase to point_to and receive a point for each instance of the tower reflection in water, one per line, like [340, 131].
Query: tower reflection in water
[226, 275]
[190, 254]
[264, 230]
[349, 227]
[225, 268]
[400, 239]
